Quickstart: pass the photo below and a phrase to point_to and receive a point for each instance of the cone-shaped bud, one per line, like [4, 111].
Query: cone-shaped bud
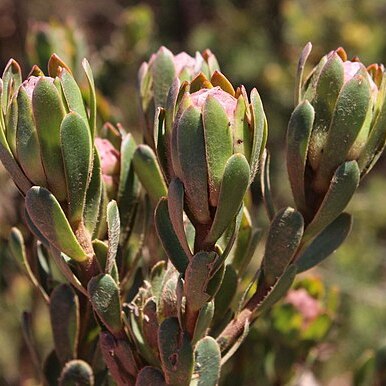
[156, 77]
[46, 139]
[217, 137]
[340, 117]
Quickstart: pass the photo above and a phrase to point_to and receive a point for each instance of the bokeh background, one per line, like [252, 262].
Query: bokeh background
[257, 43]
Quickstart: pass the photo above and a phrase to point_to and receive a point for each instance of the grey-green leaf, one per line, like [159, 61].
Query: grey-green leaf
[233, 187]
[104, 297]
[168, 237]
[218, 144]
[93, 197]
[92, 97]
[163, 72]
[64, 314]
[197, 276]
[149, 173]
[47, 215]
[77, 155]
[49, 112]
[113, 229]
[343, 185]
[207, 363]
[284, 236]
[176, 353]
[190, 162]
[298, 137]
[27, 143]
[325, 243]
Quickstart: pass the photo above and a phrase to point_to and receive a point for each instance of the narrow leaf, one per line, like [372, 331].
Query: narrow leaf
[168, 237]
[64, 314]
[176, 212]
[113, 228]
[325, 243]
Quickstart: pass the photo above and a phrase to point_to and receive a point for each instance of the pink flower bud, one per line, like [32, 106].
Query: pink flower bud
[227, 101]
[110, 164]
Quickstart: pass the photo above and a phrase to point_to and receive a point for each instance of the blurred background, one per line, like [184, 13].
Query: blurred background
[257, 43]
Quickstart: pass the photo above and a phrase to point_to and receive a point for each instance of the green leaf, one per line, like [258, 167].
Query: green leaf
[163, 72]
[129, 188]
[11, 81]
[203, 321]
[328, 87]
[260, 131]
[76, 372]
[343, 185]
[189, 138]
[265, 182]
[104, 297]
[17, 248]
[157, 274]
[233, 187]
[284, 237]
[218, 144]
[225, 294]
[348, 118]
[93, 104]
[207, 363]
[149, 173]
[11, 125]
[176, 353]
[27, 142]
[168, 237]
[48, 217]
[299, 74]
[150, 376]
[113, 229]
[73, 95]
[93, 198]
[197, 276]
[375, 142]
[12, 167]
[64, 314]
[77, 159]
[176, 212]
[242, 136]
[325, 243]
[278, 290]
[298, 137]
[49, 112]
